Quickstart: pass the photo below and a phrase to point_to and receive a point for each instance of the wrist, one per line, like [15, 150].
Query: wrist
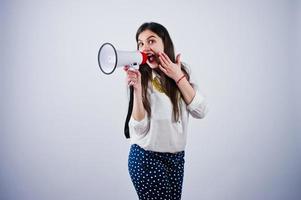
[137, 91]
[180, 78]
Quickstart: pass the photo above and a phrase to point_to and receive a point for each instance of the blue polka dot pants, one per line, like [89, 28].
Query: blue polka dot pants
[156, 175]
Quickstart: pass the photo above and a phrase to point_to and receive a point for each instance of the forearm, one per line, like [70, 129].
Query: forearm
[186, 90]
[138, 108]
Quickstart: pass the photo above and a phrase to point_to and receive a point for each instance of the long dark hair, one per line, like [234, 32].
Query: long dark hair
[168, 84]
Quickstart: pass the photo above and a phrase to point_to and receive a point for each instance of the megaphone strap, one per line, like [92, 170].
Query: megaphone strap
[128, 116]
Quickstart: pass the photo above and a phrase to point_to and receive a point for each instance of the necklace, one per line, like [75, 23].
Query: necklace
[157, 85]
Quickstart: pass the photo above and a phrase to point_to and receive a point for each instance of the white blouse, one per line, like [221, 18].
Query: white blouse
[160, 132]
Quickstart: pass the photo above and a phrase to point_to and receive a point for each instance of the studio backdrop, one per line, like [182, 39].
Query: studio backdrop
[62, 119]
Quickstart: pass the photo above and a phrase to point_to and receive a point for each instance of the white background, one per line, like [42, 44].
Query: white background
[62, 120]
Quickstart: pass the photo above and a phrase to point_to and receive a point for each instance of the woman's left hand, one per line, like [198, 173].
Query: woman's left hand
[173, 70]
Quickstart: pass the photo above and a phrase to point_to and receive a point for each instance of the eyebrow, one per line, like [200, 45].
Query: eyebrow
[148, 38]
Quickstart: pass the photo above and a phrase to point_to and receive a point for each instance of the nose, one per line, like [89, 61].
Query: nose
[145, 48]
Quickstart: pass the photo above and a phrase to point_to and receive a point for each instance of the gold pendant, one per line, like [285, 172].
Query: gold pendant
[157, 85]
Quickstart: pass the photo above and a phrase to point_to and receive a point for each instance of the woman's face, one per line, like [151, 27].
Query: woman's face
[151, 44]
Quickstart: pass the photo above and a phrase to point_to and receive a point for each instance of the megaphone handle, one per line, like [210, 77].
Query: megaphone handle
[134, 66]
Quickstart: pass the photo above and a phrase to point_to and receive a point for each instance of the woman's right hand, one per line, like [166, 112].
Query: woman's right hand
[133, 78]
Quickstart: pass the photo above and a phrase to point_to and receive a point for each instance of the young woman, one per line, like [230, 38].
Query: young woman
[163, 99]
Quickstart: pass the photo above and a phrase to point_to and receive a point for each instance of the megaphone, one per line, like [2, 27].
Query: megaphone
[109, 58]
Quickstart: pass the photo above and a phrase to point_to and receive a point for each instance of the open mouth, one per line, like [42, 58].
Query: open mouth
[152, 58]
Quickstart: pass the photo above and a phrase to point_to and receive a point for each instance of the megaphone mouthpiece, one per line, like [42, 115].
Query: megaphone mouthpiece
[144, 59]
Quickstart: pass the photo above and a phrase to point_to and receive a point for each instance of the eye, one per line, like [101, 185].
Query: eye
[140, 44]
[151, 41]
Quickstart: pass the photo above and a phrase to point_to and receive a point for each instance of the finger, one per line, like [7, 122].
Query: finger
[136, 72]
[166, 62]
[178, 61]
[131, 82]
[163, 61]
[138, 75]
[130, 76]
[125, 68]
[131, 73]
[163, 69]
[166, 57]
[133, 78]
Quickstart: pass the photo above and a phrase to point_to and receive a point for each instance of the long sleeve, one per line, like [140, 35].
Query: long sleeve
[140, 127]
[198, 107]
